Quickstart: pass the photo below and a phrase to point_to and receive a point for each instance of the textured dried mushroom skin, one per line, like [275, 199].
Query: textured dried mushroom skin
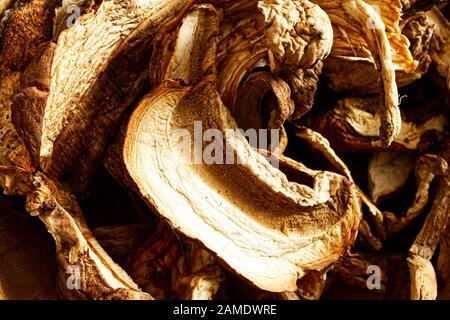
[26, 26]
[426, 169]
[9, 140]
[292, 35]
[264, 102]
[352, 126]
[437, 220]
[77, 249]
[269, 244]
[303, 84]
[298, 33]
[423, 279]
[194, 54]
[388, 173]
[29, 104]
[168, 268]
[419, 33]
[96, 73]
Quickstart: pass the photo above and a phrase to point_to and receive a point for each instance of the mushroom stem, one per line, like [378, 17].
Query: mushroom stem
[378, 41]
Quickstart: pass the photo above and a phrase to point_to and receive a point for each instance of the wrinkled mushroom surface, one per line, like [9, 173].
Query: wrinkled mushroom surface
[269, 230]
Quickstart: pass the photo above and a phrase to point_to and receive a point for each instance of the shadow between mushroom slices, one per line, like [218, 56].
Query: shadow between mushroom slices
[267, 229]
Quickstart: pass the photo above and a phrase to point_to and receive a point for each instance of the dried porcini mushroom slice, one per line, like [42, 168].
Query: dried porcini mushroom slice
[303, 84]
[321, 145]
[96, 73]
[169, 268]
[360, 77]
[85, 271]
[381, 51]
[351, 40]
[194, 54]
[26, 26]
[377, 41]
[264, 102]
[271, 243]
[388, 173]
[426, 169]
[352, 126]
[423, 276]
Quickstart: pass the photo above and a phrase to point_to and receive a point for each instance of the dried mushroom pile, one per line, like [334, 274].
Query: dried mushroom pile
[94, 95]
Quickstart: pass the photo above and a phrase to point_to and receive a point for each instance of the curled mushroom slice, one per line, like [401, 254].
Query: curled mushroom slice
[320, 144]
[360, 77]
[351, 40]
[85, 271]
[388, 173]
[352, 126]
[266, 228]
[96, 73]
[381, 50]
[287, 36]
[264, 102]
[436, 222]
[303, 84]
[426, 169]
[194, 55]
[423, 276]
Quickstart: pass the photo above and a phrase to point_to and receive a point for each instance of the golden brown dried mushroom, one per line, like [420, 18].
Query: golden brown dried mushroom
[261, 148]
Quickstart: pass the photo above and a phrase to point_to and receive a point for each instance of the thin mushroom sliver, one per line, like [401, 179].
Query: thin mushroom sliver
[269, 230]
